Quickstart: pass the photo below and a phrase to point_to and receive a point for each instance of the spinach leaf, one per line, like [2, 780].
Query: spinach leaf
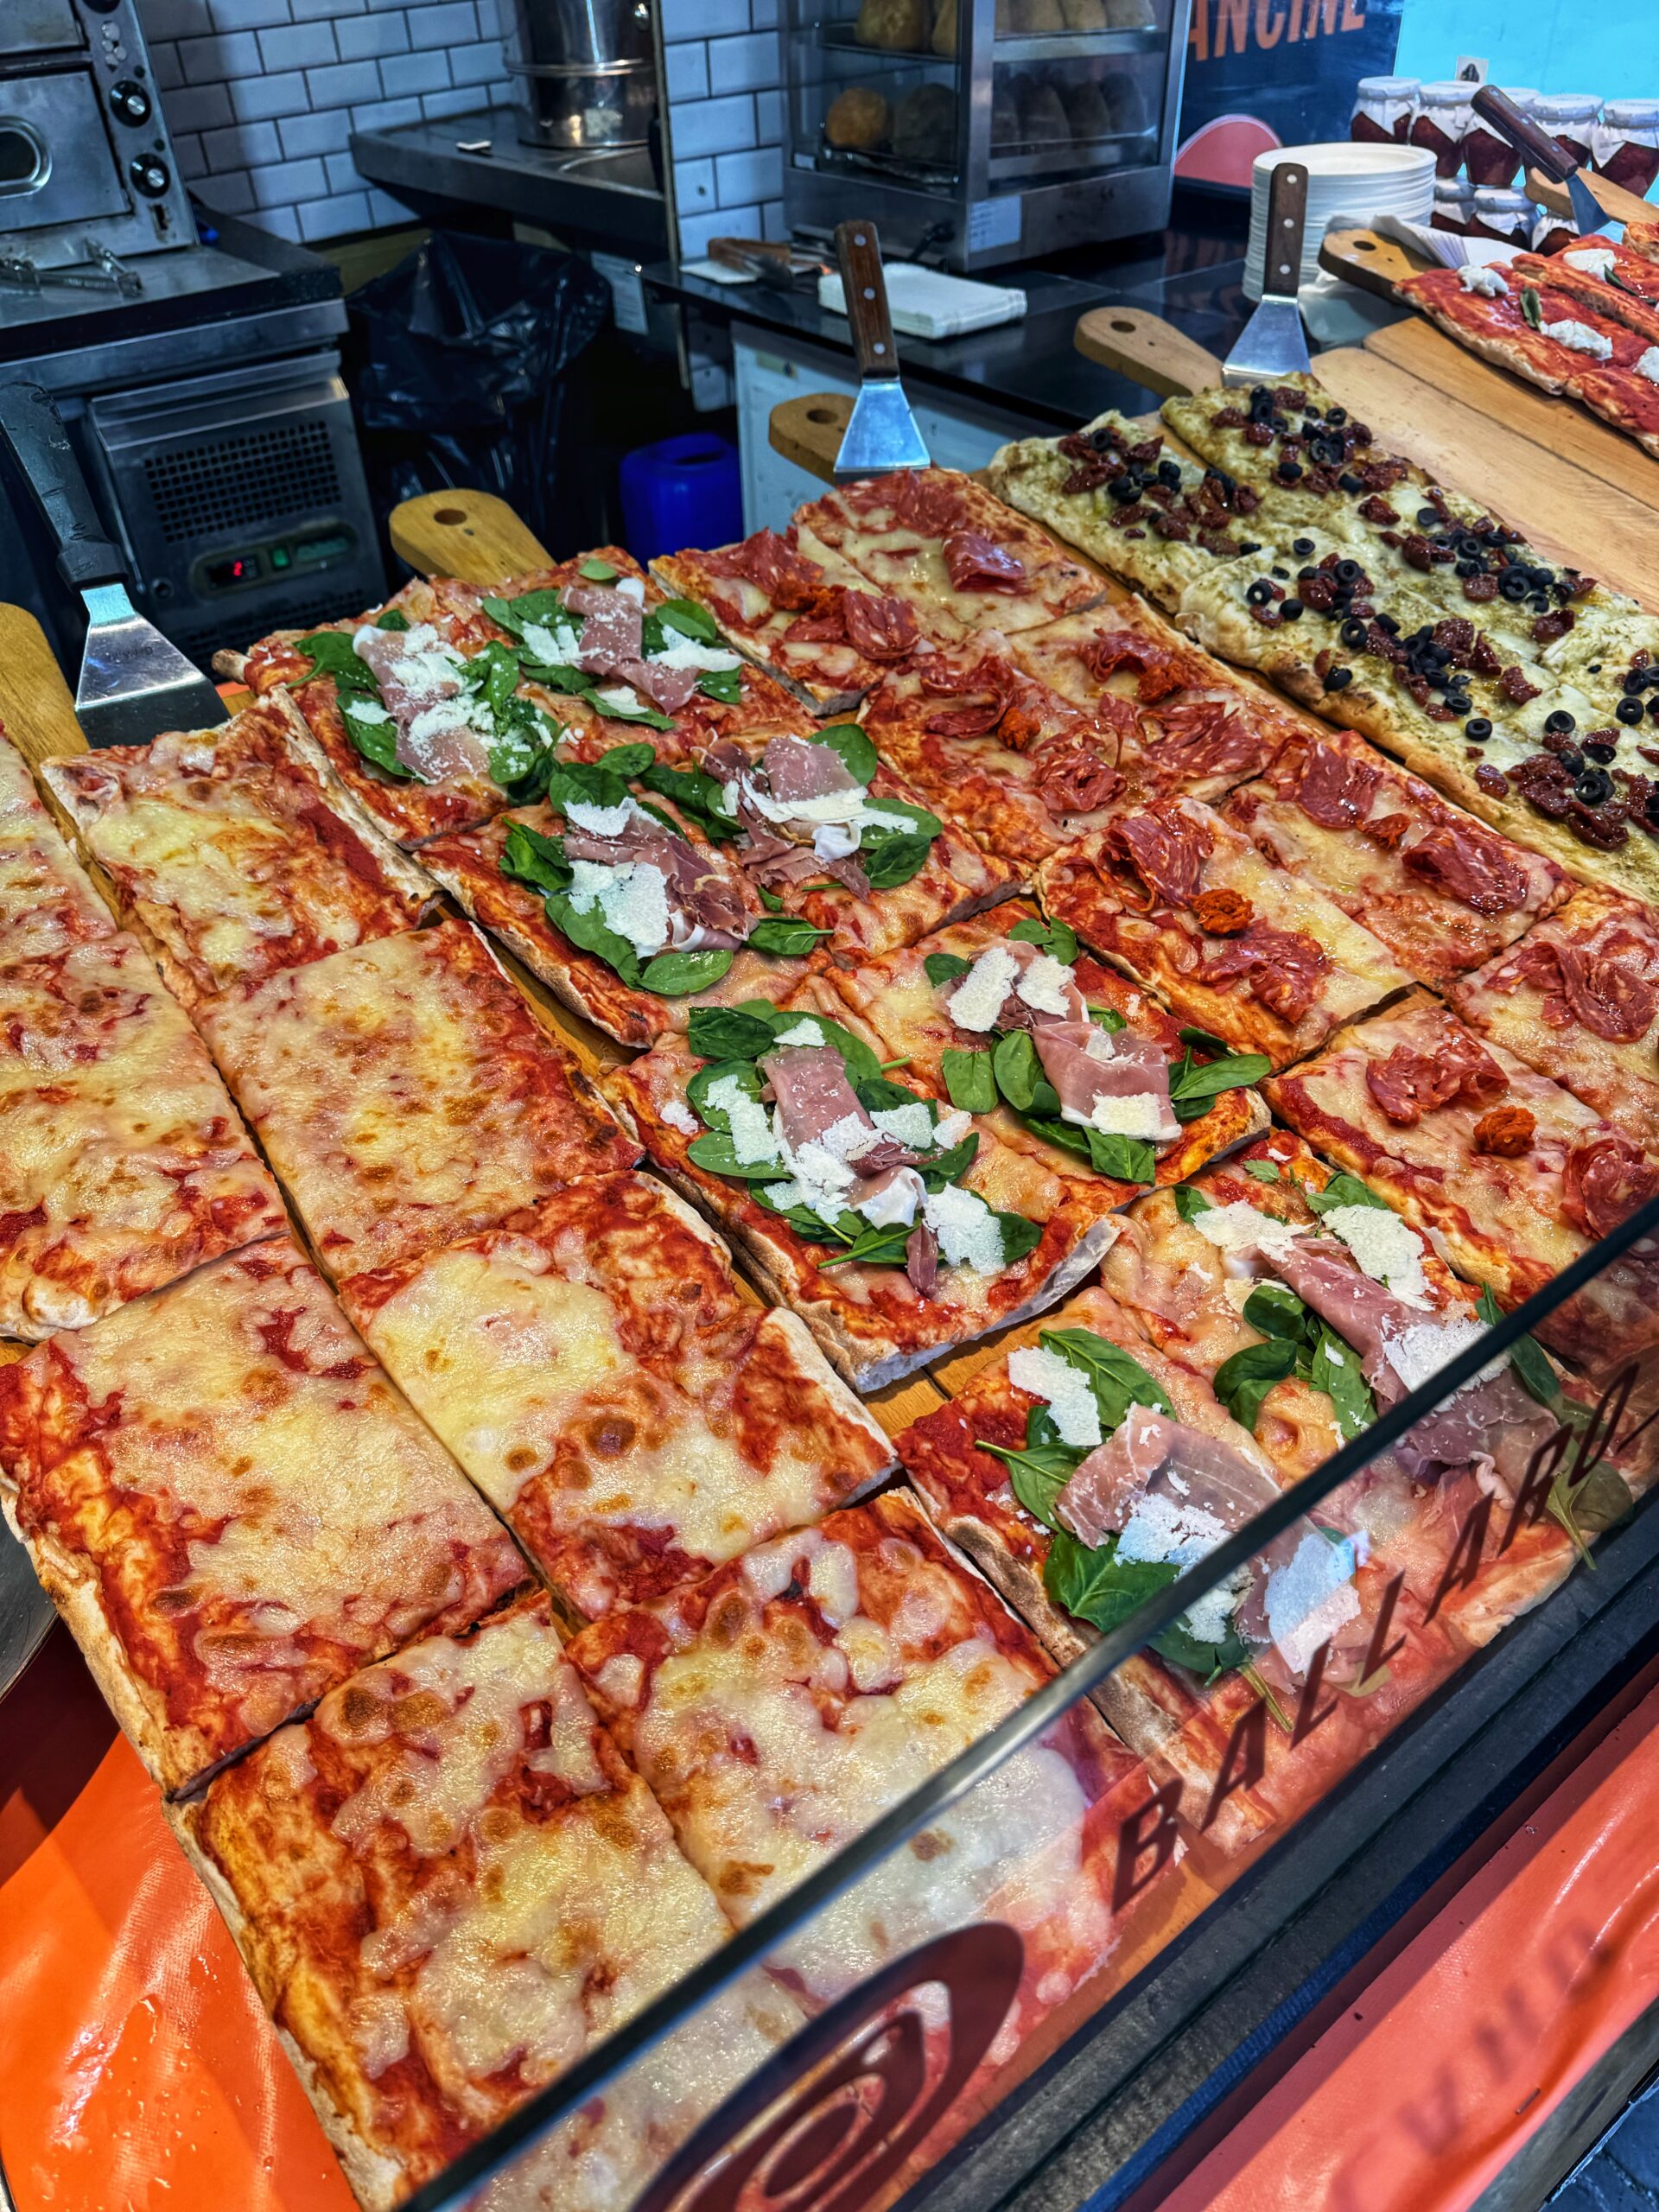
[532, 858]
[1265, 1171]
[1020, 1237]
[1093, 1585]
[1192, 1088]
[1177, 1645]
[944, 967]
[695, 793]
[1188, 1201]
[1332, 1365]
[969, 1080]
[749, 1079]
[876, 1095]
[785, 936]
[689, 619]
[1017, 1068]
[1204, 1040]
[589, 929]
[1037, 1475]
[725, 684]
[627, 760]
[1274, 1309]
[675, 975]
[951, 1166]
[1127, 1160]
[642, 712]
[1107, 1017]
[1245, 1380]
[1343, 1189]
[376, 740]
[1531, 307]
[544, 607]
[876, 1248]
[1118, 1381]
[727, 1032]
[1058, 939]
[1531, 1365]
[893, 860]
[715, 1150]
[331, 654]
[853, 748]
[393, 619]
[597, 571]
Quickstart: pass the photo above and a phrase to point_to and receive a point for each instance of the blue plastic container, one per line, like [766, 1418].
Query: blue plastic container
[681, 492]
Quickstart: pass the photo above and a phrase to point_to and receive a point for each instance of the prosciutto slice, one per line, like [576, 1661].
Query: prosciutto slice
[814, 1096]
[706, 912]
[613, 645]
[797, 770]
[1086, 1065]
[420, 686]
[1149, 1455]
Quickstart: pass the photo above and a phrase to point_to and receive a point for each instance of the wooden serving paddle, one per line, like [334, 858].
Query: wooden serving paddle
[1374, 263]
[471, 535]
[1143, 347]
[809, 430]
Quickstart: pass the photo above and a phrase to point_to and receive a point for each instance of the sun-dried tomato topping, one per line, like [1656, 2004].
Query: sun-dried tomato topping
[1222, 913]
[1604, 1180]
[1506, 1133]
[1554, 625]
[1515, 687]
[1376, 509]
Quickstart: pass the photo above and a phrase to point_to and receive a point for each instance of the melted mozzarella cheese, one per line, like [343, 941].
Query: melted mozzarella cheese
[1580, 337]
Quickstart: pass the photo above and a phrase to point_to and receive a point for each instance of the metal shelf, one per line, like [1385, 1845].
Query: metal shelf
[1033, 45]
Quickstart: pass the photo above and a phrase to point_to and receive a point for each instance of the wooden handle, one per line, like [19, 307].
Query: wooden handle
[809, 431]
[37, 705]
[859, 250]
[1281, 273]
[1541, 151]
[471, 535]
[1148, 349]
[1377, 264]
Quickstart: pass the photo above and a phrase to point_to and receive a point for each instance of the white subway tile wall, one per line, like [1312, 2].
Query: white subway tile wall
[262, 96]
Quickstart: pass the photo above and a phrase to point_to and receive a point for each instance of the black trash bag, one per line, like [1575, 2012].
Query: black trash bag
[461, 375]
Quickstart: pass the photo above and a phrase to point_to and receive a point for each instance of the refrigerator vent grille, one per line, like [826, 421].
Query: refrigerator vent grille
[236, 483]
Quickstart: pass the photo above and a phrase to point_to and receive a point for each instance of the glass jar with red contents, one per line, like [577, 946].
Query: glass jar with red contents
[1570, 117]
[1551, 232]
[1625, 144]
[1488, 159]
[1383, 108]
[1500, 214]
[1454, 204]
[1442, 123]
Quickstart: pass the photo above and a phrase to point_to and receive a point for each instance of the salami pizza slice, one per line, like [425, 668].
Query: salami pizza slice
[634, 1420]
[1264, 961]
[405, 1095]
[1578, 999]
[1512, 1175]
[227, 857]
[812, 620]
[447, 1886]
[1004, 1016]
[123, 1163]
[896, 1227]
[779, 1706]
[233, 1509]
[935, 539]
[46, 904]
[1442, 890]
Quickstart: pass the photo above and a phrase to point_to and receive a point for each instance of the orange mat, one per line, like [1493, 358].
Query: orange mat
[137, 2073]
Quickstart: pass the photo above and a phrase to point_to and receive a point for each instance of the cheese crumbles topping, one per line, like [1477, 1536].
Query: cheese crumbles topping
[1481, 277]
[1064, 1389]
[1386, 1247]
[1579, 338]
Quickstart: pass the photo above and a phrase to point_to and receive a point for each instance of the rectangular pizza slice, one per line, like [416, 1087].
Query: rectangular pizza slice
[226, 856]
[1578, 999]
[1512, 1175]
[123, 1163]
[812, 620]
[633, 1418]
[47, 904]
[1442, 890]
[783, 1704]
[896, 1227]
[935, 539]
[1006, 1018]
[448, 1887]
[233, 1509]
[406, 1097]
[1262, 960]
[1087, 1469]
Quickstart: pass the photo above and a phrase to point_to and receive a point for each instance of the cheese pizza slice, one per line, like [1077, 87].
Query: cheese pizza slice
[1578, 999]
[1087, 1468]
[595, 1371]
[123, 1163]
[779, 1706]
[226, 856]
[1512, 1175]
[896, 1227]
[811, 619]
[1004, 1016]
[936, 540]
[405, 1095]
[233, 1509]
[1442, 890]
[1007, 759]
[47, 904]
[448, 1887]
[1261, 960]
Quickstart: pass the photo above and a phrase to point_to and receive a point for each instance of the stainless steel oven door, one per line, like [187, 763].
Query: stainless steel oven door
[56, 165]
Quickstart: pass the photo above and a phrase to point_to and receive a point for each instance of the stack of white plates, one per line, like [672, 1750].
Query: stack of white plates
[1350, 184]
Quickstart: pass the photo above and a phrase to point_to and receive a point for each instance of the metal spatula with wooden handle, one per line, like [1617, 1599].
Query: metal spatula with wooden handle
[133, 683]
[882, 433]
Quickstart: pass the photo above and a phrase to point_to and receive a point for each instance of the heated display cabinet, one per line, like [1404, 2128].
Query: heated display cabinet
[980, 131]
[1049, 1958]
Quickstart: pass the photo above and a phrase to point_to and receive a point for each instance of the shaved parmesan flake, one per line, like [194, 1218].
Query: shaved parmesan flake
[911, 1125]
[978, 999]
[1387, 1248]
[632, 899]
[599, 821]
[1418, 1354]
[556, 647]
[630, 587]
[1241, 1227]
[801, 1033]
[1141, 1116]
[1647, 364]
[621, 696]
[679, 1116]
[752, 1137]
[1064, 1389]
[687, 652]
[969, 1232]
[1312, 1596]
[1046, 985]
